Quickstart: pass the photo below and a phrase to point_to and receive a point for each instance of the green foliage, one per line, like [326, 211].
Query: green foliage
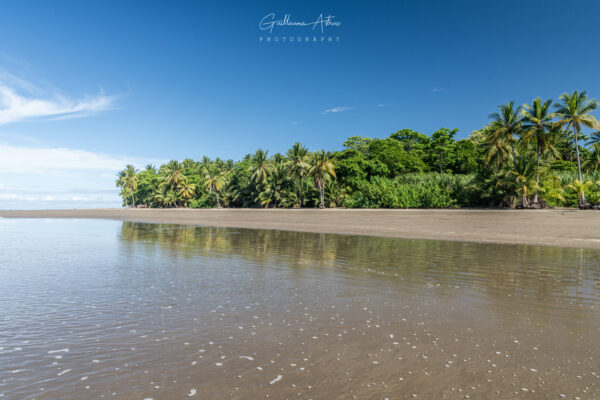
[413, 142]
[525, 156]
[391, 153]
[430, 190]
[442, 148]
[353, 167]
[358, 143]
[465, 159]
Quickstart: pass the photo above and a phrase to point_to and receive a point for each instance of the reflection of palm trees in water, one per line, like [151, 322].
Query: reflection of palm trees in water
[580, 274]
[526, 273]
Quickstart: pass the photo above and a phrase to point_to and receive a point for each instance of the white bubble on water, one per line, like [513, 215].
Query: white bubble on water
[58, 351]
[63, 372]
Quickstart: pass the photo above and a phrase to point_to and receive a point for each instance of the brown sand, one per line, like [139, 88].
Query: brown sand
[562, 227]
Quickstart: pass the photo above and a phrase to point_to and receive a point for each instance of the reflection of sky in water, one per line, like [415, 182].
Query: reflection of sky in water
[164, 311]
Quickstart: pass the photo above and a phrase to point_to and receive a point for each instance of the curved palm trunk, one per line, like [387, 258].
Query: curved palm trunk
[322, 197]
[321, 192]
[582, 198]
[132, 198]
[299, 191]
[525, 197]
[218, 204]
[523, 200]
[512, 147]
[537, 178]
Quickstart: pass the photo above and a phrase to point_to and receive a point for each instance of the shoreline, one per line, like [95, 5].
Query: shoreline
[555, 227]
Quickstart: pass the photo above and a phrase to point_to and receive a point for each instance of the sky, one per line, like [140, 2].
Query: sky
[87, 87]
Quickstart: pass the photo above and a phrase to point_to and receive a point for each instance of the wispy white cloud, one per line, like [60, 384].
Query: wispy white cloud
[22, 100]
[35, 177]
[437, 89]
[59, 161]
[337, 110]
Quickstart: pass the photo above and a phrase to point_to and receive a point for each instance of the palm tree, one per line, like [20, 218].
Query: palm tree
[172, 174]
[322, 168]
[298, 166]
[127, 179]
[496, 150]
[505, 126]
[186, 191]
[595, 138]
[522, 172]
[573, 113]
[167, 198]
[260, 167]
[278, 159]
[334, 193]
[537, 127]
[275, 188]
[552, 189]
[214, 180]
[593, 162]
[580, 188]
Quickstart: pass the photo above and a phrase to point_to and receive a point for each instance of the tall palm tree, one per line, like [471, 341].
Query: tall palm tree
[537, 127]
[322, 168]
[496, 150]
[298, 165]
[214, 180]
[261, 167]
[127, 179]
[505, 126]
[573, 113]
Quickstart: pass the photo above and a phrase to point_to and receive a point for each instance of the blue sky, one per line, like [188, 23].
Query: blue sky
[87, 86]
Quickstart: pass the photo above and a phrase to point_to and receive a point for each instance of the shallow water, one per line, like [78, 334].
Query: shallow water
[93, 309]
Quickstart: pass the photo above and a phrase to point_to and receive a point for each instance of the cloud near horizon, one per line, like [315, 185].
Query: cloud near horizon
[21, 100]
[59, 161]
[337, 110]
[35, 177]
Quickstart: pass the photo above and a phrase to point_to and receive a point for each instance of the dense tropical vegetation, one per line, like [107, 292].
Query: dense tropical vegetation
[530, 156]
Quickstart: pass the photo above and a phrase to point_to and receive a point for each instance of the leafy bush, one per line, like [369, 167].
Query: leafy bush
[430, 190]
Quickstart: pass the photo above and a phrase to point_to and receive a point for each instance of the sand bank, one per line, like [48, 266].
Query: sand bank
[567, 228]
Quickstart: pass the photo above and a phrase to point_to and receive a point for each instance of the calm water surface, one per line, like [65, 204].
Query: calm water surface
[106, 309]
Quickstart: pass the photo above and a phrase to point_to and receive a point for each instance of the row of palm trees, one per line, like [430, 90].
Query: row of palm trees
[521, 149]
[538, 125]
[271, 176]
[298, 164]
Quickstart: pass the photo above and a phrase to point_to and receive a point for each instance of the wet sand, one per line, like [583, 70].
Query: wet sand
[560, 227]
[99, 309]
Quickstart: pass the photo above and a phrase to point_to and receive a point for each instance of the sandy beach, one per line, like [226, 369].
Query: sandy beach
[564, 228]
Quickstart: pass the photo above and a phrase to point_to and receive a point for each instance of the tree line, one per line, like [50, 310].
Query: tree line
[542, 154]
